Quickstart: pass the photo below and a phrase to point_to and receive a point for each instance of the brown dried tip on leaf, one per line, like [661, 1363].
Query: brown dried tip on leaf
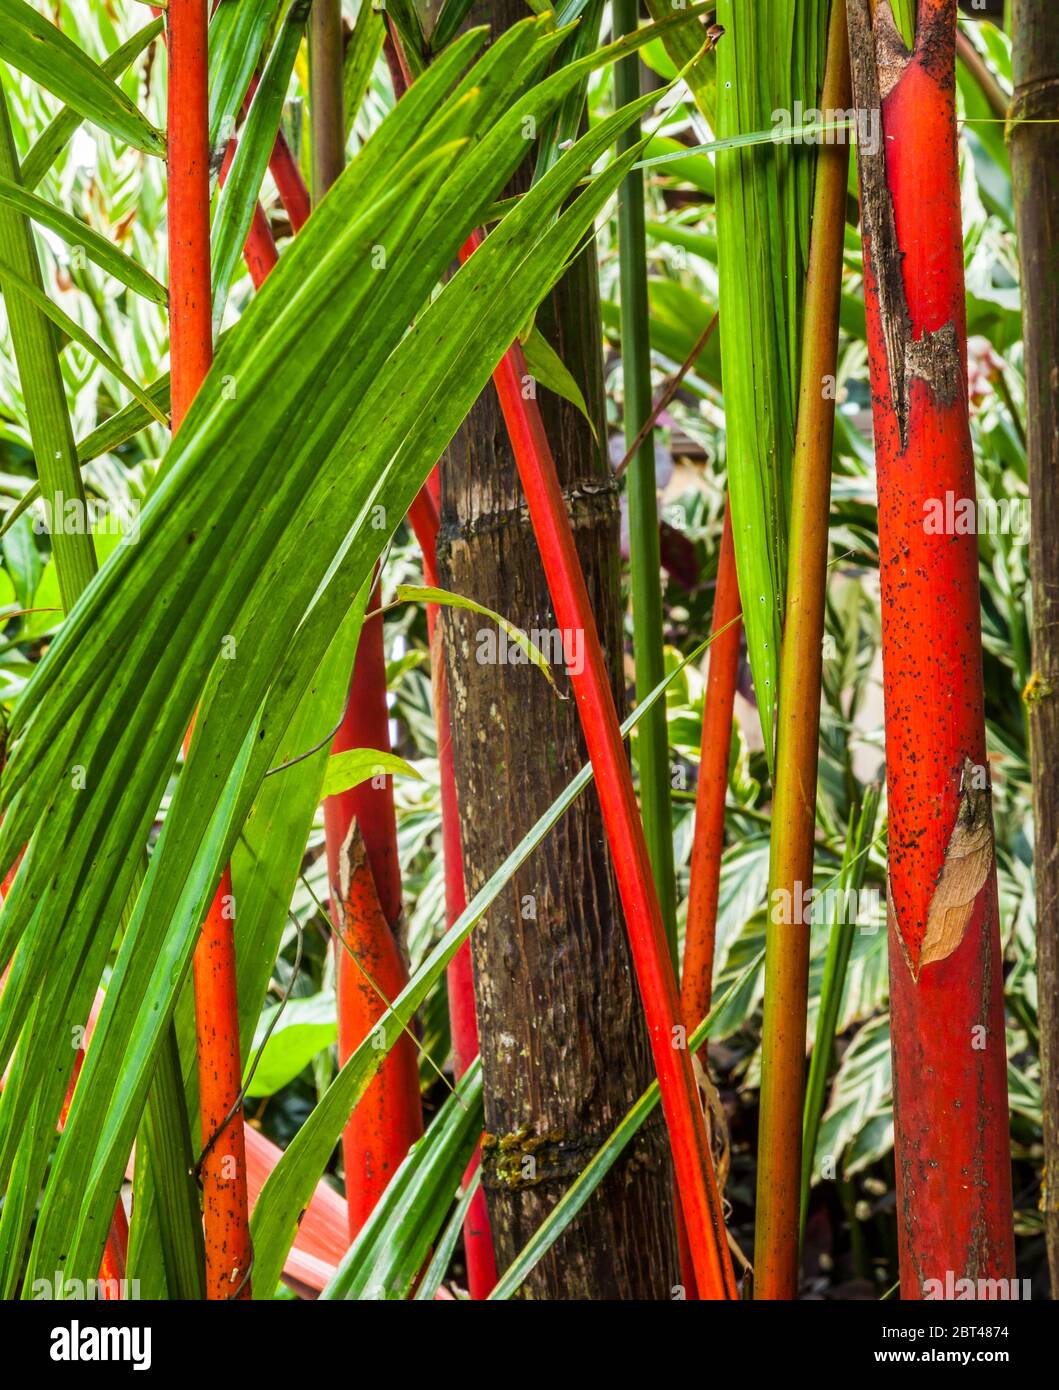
[968, 861]
[352, 857]
[716, 1122]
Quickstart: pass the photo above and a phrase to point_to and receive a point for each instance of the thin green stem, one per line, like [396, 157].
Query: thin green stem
[836, 963]
[652, 743]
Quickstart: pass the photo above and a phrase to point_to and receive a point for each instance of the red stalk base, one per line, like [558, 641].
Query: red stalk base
[696, 987]
[223, 1172]
[477, 1235]
[364, 874]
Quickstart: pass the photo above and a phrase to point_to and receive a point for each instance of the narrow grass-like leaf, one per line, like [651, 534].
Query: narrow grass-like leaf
[36, 355]
[10, 277]
[78, 234]
[34, 45]
[388, 1254]
[362, 50]
[428, 1286]
[235, 210]
[55, 138]
[652, 741]
[839, 945]
[453, 13]
[412, 593]
[238, 30]
[549, 370]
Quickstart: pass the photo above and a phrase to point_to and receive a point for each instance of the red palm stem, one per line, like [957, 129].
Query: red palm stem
[692, 1159]
[701, 934]
[224, 1195]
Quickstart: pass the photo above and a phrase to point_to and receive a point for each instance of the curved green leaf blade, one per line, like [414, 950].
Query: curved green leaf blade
[51, 144]
[36, 47]
[78, 234]
[388, 1253]
[73, 330]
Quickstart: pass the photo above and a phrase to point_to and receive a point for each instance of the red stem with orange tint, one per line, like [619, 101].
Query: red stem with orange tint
[477, 1236]
[947, 1014]
[366, 908]
[371, 973]
[360, 826]
[290, 185]
[259, 251]
[191, 333]
[223, 1173]
[225, 1204]
[696, 985]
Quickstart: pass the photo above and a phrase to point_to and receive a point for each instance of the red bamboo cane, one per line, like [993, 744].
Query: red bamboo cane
[692, 1160]
[950, 1092]
[224, 1196]
[259, 251]
[477, 1235]
[371, 970]
[289, 183]
[389, 1117]
[700, 935]
[365, 904]
[191, 335]
[115, 1254]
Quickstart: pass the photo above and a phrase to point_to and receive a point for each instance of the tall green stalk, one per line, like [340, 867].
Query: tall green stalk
[652, 741]
[798, 718]
[836, 963]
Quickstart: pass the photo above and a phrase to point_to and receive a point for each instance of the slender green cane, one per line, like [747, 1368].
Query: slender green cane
[652, 743]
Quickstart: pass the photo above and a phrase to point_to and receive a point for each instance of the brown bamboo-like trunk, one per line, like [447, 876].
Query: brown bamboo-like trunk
[563, 1044]
[1033, 141]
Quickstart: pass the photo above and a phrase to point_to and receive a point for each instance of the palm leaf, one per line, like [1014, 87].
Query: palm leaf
[33, 45]
[123, 704]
